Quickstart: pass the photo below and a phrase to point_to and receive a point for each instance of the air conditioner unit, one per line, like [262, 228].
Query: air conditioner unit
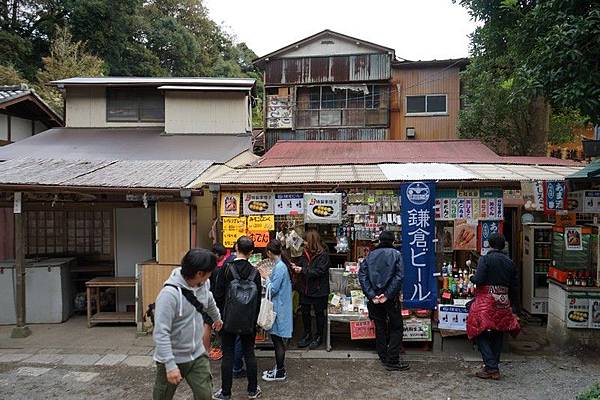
[411, 133]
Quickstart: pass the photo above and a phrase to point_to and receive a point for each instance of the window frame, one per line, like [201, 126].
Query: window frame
[137, 96]
[426, 113]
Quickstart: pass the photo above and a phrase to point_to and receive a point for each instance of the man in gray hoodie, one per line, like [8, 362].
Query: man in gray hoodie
[181, 308]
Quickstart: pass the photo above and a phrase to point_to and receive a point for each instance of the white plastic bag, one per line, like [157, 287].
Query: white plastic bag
[266, 316]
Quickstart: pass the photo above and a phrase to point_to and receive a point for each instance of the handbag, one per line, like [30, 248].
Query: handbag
[267, 314]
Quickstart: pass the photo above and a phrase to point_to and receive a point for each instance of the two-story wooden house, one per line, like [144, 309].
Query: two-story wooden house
[119, 186]
[331, 86]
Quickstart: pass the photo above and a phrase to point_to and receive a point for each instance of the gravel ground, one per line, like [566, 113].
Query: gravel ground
[536, 378]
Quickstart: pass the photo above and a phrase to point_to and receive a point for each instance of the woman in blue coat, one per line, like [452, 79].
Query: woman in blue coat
[280, 285]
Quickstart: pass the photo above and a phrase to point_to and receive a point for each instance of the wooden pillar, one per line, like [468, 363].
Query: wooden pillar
[21, 330]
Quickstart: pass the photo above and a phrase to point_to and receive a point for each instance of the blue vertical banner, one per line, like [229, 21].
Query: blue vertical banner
[418, 249]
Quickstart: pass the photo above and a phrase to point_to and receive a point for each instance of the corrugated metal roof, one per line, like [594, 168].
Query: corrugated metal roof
[362, 173]
[429, 171]
[335, 152]
[589, 171]
[154, 81]
[376, 152]
[169, 174]
[125, 144]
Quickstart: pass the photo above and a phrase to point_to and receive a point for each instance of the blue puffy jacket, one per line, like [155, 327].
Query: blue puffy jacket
[382, 273]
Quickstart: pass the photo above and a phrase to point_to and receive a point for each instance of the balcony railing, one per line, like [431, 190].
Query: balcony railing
[342, 117]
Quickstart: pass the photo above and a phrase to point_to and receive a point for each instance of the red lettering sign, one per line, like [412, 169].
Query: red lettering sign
[360, 330]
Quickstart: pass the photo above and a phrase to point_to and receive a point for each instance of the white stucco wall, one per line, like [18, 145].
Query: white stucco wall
[338, 47]
[3, 127]
[19, 128]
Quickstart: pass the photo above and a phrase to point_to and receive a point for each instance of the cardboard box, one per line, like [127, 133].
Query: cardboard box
[453, 317]
[578, 311]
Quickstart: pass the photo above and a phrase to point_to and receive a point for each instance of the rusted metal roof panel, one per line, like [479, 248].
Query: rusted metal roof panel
[369, 67]
[373, 152]
[346, 68]
[352, 134]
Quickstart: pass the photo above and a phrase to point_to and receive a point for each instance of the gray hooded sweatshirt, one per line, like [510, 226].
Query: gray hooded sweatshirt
[178, 327]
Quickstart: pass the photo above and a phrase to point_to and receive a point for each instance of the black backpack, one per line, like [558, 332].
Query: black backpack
[241, 304]
[191, 297]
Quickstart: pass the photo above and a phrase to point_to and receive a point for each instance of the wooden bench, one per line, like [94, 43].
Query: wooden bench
[93, 288]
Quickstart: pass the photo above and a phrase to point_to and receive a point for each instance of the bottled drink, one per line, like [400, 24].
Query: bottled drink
[570, 279]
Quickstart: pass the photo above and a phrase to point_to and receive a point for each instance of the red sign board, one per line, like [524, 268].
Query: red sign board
[360, 330]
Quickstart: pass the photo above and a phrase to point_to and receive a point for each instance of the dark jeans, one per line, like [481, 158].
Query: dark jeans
[279, 343]
[238, 356]
[228, 347]
[490, 346]
[389, 329]
[319, 305]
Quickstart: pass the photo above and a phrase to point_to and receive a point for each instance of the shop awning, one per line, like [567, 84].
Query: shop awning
[378, 173]
[592, 170]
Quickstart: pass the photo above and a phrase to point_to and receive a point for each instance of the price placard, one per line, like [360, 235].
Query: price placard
[261, 222]
[233, 228]
[360, 330]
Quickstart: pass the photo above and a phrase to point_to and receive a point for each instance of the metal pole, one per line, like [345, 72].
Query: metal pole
[21, 330]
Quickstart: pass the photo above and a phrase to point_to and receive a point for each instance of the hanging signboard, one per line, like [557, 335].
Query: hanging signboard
[469, 204]
[230, 204]
[555, 196]
[573, 238]
[289, 203]
[486, 229]
[418, 250]
[261, 222]
[233, 228]
[322, 208]
[258, 203]
[453, 317]
[259, 238]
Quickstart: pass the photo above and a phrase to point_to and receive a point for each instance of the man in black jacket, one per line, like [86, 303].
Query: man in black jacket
[244, 248]
[380, 276]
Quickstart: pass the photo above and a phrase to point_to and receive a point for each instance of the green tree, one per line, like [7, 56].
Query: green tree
[10, 76]
[563, 125]
[67, 58]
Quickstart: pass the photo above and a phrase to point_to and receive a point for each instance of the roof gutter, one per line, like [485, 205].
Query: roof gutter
[96, 189]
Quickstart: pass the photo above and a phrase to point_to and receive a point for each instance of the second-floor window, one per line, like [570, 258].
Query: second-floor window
[134, 105]
[351, 106]
[431, 104]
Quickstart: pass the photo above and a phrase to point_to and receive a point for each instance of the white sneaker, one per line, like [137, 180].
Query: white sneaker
[274, 375]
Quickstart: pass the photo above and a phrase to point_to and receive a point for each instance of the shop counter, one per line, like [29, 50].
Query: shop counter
[573, 315]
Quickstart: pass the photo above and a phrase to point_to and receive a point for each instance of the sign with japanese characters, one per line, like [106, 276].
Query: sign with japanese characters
[360, 330]
[259, 238]
[555, 196]
[289, 203]
[486, 229]
[573, 238]
[453, 318]
[258, 203]
[322, 208]
[233, 228]
[470, 204]
[230, 204]
[261, 223]
[418, 250]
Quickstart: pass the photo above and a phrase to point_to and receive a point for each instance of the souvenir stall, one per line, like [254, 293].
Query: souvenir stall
[574, 273]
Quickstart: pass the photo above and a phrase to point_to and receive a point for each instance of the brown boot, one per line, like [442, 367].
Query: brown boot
[486, 374]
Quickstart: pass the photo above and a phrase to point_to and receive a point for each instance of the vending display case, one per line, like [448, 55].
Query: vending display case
[537, 259]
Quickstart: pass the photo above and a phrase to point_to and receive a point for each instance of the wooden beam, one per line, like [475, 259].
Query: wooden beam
[21, 330]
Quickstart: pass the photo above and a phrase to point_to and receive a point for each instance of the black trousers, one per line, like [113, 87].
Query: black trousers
[228, 347]
[490, 347]
[279, 343]
[320, 305]
[389, 329]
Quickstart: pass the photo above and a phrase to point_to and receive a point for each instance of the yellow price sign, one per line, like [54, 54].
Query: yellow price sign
[261, 222]
[233, 228]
